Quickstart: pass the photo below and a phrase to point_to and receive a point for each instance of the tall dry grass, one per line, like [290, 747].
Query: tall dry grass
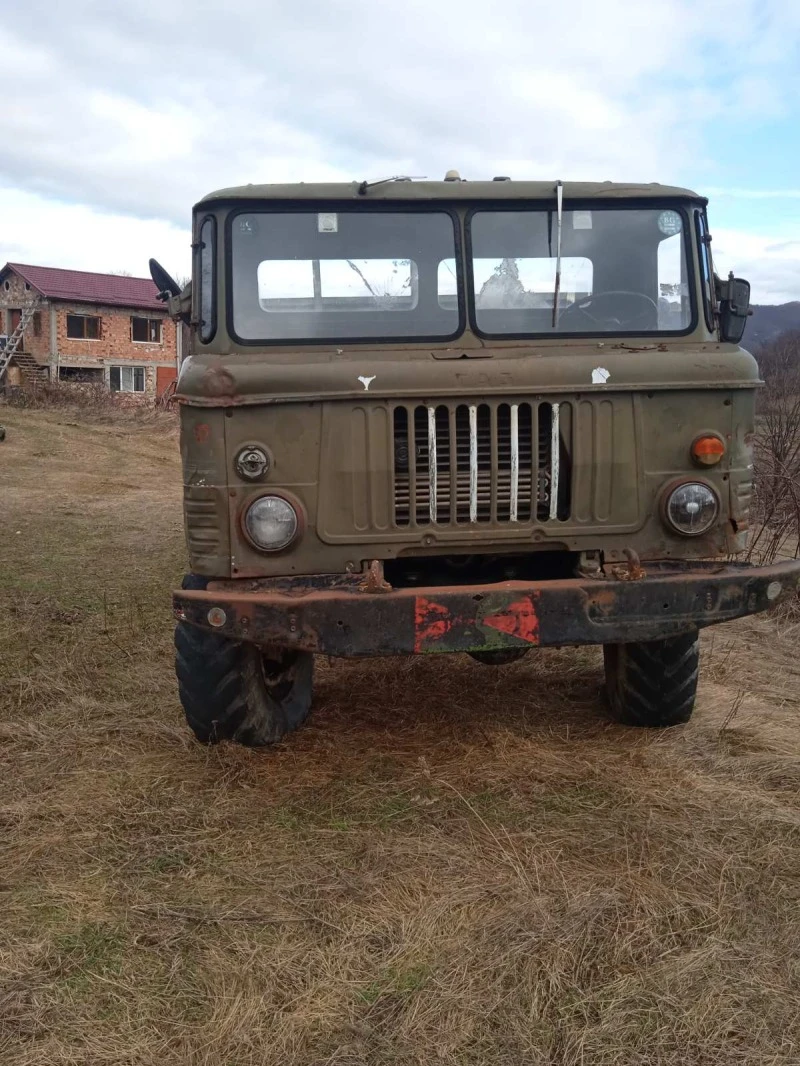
[451, 864]
[89, 400]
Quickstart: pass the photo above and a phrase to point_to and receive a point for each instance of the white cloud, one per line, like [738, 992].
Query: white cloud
[40, 231]
[136, 111]
[772, 267]
[147, 107]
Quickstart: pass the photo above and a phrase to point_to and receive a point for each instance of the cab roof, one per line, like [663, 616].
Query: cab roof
[406, 189]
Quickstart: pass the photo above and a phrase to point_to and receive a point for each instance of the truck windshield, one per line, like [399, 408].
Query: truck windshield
[344, 274]
[623, 270]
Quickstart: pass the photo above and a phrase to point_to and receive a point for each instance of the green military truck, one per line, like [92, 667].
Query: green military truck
[458, 416]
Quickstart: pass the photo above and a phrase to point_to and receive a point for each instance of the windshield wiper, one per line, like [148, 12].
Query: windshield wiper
[559, 201]
[365, 185]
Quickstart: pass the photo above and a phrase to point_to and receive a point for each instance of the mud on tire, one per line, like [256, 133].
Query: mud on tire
[239, 692]
[653, 683]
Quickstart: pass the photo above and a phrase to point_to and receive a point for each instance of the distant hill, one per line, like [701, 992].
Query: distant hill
[769, 321]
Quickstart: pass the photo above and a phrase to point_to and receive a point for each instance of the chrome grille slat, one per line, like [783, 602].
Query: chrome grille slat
[432, 481]
[514, 461]
[473, 463]
[555, 450]
[497, 462]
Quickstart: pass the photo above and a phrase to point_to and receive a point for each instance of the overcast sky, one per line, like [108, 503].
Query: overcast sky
[115, 120]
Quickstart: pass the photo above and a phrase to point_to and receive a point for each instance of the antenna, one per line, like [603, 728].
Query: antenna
[559, 201]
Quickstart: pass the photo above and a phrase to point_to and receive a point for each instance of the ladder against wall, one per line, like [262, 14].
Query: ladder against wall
[27, 364]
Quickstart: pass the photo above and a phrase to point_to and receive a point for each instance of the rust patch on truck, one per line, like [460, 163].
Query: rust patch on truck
[217, 382]
[375, 582]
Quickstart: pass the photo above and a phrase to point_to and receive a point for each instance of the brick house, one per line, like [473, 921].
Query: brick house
[80, 326]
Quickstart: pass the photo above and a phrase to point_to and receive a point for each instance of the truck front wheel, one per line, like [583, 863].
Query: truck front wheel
[240, 692]
[653, 683]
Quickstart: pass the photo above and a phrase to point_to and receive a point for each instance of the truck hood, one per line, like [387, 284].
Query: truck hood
[300, 377]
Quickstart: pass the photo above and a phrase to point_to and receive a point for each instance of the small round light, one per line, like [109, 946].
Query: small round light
[251, 463]
[708, 450]
[271, 523]
[670, 223]
[692, 508]
[774, 589]
[217, 617]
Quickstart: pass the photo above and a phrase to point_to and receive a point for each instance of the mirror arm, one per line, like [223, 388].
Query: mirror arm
[180, 307]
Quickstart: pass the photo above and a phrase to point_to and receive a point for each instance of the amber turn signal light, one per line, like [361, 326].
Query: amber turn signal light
[707, 451]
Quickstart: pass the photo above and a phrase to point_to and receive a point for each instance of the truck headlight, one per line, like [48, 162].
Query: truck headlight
[692, 508]
[271, 523]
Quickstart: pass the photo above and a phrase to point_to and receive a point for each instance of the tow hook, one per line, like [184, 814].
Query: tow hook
[633, 571]
[374, 581]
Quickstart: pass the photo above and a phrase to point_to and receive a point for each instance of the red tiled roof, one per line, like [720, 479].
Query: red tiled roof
[81, 286]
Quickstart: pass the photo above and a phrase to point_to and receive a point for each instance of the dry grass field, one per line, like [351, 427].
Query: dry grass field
[451, 864]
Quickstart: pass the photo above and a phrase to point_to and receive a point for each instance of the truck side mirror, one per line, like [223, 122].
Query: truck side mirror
[164, 282]
[734, 307]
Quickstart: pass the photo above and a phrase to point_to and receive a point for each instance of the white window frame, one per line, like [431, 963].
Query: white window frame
[127, 378]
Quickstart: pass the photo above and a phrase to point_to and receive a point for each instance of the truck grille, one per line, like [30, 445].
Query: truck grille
[466, 463]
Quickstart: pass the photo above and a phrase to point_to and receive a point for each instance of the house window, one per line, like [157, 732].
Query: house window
[147, 330]
[81, 375]
[126, 378]
[37, 323]
[83, 327]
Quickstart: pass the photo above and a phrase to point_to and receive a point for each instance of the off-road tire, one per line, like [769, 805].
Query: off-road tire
[240, 692]
[653, 683]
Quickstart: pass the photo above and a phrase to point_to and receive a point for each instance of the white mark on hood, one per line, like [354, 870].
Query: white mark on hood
[600, 375]
[366, 382]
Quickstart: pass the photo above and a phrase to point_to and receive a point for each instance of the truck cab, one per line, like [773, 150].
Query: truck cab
[457, 416]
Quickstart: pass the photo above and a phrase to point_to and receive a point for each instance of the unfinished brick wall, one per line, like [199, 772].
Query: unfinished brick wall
[16, 296]
[114, 344]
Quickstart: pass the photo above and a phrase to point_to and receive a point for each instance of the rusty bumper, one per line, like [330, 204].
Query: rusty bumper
[340, 616]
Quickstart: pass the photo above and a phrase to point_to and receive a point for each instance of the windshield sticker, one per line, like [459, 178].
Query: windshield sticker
[670, 223]
[581, 219]
[366, 382]
[328, 222]
[600, 375]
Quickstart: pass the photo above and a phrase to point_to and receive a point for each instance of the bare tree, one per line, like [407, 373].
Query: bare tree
[776, 503]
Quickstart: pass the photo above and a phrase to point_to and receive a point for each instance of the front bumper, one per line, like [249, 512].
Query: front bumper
[338, 615]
